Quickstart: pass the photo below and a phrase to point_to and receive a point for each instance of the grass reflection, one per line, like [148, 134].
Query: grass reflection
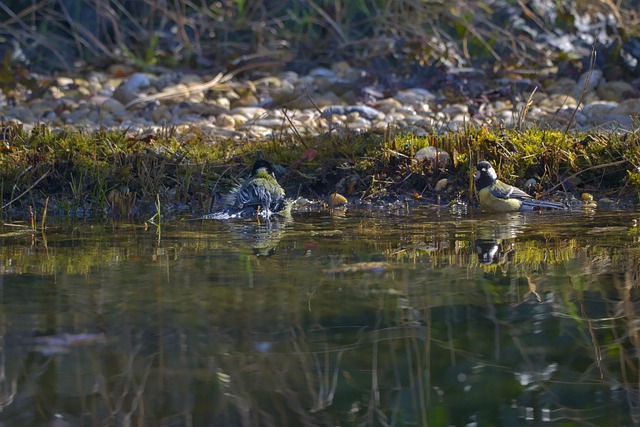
[391, 321]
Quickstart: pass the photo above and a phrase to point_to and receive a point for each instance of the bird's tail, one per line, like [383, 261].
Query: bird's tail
[543, 204]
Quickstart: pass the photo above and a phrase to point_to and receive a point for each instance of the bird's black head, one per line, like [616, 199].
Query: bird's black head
[262, 164]
[485, 175]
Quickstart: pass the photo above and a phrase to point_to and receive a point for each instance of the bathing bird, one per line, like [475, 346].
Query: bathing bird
[260, 193]
[497, 196]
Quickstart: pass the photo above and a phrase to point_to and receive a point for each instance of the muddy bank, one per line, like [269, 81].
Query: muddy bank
[106, 173]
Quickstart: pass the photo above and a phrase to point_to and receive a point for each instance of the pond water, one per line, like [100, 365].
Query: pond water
[351, 318]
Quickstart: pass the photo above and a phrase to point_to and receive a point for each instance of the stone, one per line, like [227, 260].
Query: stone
[594, 78]
[124, 95]
[249, 112]
[562, 86]
[434, 155]
[598, 109]
[191, 80]
[137, 82]
[616, 91]
[629, 106]
[112, 106]
[226, 121]
[388, 105]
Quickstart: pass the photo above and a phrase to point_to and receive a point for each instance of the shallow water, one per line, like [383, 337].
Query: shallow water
[356, 318]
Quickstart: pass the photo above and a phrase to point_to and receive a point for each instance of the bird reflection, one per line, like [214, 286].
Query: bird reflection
[494, 239]
[263, 237]
[488, 251]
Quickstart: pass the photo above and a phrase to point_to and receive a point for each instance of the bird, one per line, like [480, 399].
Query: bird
[497, 196]
[259, 194]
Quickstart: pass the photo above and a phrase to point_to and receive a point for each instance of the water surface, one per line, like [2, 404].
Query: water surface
[356, 318]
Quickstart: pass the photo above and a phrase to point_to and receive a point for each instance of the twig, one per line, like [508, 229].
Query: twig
[27, 190]
[174, 93]
[606, 165]
[219, 79]
[592, 63]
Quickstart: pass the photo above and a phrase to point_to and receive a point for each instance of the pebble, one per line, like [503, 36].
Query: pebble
[124, 94]
[254, 108]
[137, 82]
[225, 121]
[364, 111]
[388, 105]
[112, 106]
[629, 106]
[249, 112]
[588, 82]
[433, 154]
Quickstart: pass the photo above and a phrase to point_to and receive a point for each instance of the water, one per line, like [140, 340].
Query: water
[363, 318]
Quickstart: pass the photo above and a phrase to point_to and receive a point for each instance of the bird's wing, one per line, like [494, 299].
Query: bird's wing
[256, 194]
[245, 196]
[506, 191]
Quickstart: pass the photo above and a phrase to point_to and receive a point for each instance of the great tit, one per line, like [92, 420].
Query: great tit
[259, 194]
[496, 196]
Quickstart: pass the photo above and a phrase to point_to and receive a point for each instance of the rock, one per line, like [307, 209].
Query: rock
[415, 97]
[598, 109]
[124, 95]
[629, 106]
[337, 199]
[441, 185]
[415, 130]
[322, 72]
[249, 112]
[556, 102]
[388, 105]
[594, 77]
[112, 106]
[64, 82]
[223, 102]
[120, 70]
[191, 80]
[239, 119]
[359, 124]
[225, 121]
[22, 114]
[455, 109]
[607, 203]
[257, 131]
[272, 123]
[79, 116]
[40, 108]
[245, 101]
[562, 86]
[161, 115]
[364, 111]
[179, 93]
[435, 155]
[286, 93]
[136, 82]
[616, 91]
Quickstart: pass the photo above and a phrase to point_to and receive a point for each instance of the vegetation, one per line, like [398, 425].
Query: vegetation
[111, 172]
[233, 34]
[72, 171]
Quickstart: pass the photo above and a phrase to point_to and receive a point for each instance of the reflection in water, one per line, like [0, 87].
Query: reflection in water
[367, 319]
[261, 236]
[494, 239]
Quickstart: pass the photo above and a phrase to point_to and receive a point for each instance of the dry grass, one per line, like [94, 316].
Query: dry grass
[230, 34]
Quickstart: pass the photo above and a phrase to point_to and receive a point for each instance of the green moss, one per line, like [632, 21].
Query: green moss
[73, 166]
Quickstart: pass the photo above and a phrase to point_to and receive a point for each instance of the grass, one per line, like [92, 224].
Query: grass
[266, 33]
[115, 173]
[112, 173]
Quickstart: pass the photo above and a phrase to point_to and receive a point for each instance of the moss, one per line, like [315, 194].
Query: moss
[74, 167]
